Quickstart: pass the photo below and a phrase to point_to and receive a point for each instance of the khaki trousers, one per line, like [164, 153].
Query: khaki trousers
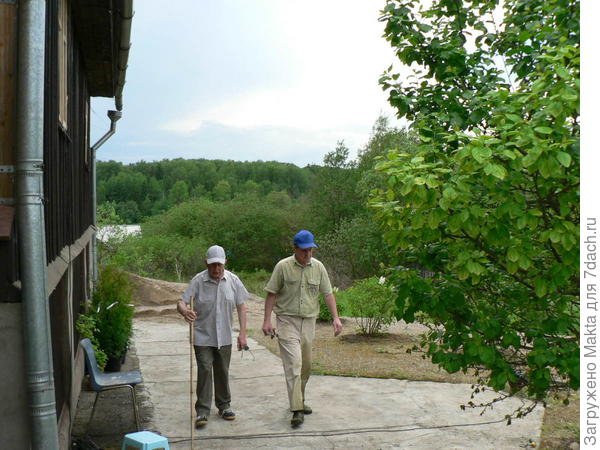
[296, 336]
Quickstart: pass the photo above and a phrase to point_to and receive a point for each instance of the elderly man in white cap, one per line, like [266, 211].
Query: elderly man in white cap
[293, 294]
[215, 293]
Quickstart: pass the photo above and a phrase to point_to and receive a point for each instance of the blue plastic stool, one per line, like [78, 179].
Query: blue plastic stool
[145, 440]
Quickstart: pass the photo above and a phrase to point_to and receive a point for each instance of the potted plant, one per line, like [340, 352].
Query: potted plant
[86, 326]
[114, 315]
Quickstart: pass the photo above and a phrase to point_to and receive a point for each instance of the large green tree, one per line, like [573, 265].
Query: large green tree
[333, 196]
[488, 202]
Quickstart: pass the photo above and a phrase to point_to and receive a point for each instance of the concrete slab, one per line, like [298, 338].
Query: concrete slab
[348, 412]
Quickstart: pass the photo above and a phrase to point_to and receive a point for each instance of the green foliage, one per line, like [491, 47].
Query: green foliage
[168, 257]
[144, 189]
[87, 328]
[112, 303]
[222, 191]
[351, 243]
[325, 314]
[179, 192]
[489, 200]
[371, 302]
[129, 211]
[255, 281]
[106, 214]
[333, 196]
[255, 232]
[354, 250]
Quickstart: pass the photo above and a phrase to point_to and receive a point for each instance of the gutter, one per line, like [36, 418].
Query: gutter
[31, 224]
[124, 46]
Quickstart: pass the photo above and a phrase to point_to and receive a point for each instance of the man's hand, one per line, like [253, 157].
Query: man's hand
[337, 326]
[186, 312]
[242, 342]
[268, 329]
[189, 315]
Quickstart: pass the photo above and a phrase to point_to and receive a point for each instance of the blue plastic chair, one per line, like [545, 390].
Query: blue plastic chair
[101, 381]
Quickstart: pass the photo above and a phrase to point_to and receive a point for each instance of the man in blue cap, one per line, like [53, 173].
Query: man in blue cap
[293, 294]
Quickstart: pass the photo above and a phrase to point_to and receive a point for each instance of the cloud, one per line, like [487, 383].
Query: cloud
[262, 79]
[326, 79]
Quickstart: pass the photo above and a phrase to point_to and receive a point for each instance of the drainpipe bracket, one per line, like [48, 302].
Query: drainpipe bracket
[7, 201]
[32, 165]
[7, 169]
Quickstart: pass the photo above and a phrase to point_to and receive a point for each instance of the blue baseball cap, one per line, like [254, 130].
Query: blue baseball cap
[304, 239]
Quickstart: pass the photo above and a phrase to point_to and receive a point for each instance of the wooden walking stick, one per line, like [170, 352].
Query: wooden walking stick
[192, 412]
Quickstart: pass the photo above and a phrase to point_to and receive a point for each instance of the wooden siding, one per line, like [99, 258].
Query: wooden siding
[8, 83]
[67, 196]
[8, 97]
[67, 176]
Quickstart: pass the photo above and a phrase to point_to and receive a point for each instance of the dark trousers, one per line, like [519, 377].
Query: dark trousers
[213, 363]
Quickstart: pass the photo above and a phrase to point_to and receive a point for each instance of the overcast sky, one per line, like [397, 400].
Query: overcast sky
[249, 80]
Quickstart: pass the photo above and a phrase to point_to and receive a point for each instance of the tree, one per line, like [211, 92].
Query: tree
[333, 196]
[106, 214]
[179, 192]
[128, 211]
[489, 201]
[222, 191]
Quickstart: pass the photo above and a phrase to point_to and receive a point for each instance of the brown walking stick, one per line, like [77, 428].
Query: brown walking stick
[193, 415]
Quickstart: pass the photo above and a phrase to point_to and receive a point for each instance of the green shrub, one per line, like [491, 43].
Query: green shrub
[113, 312]
[86, 327]
[325, 314]
[255, 281]
[355, 249]
[371, 302]
[168, 257]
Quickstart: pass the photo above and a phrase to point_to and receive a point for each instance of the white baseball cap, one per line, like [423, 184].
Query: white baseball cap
[215, 254]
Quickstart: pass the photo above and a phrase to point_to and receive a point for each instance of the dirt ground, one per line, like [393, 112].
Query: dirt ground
[350, 354]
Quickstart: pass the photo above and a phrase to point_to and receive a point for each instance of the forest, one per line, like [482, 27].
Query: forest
[143, 189]
[252, 209]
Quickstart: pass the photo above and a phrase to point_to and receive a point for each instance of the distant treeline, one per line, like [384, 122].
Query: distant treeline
[143, 189]
[251, 208]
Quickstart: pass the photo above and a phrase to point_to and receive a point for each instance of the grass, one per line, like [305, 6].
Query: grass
[255, 281]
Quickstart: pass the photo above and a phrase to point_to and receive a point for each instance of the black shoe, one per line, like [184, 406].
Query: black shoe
[227, 414]
[297, 419]
[201, 421]
[307, 409]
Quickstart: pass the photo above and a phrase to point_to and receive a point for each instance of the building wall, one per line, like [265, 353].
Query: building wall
[67, 207]
[14, 425]
[8, 91]
[68, 220]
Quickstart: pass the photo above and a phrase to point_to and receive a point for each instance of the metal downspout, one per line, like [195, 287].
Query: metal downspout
[31, 224]
[113, 116]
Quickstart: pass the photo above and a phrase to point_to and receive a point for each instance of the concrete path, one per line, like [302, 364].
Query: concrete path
[348, 412]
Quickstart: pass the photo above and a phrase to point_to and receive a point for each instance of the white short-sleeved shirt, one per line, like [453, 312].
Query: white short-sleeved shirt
[214, 304]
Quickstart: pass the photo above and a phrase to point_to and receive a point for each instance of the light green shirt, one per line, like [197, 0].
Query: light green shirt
[297, 287]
